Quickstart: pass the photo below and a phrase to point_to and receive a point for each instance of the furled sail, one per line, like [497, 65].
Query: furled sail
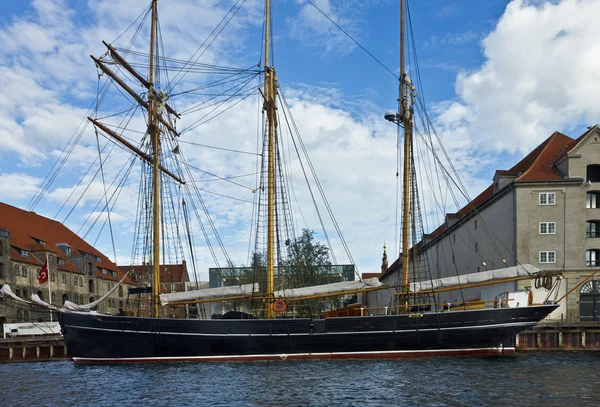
[522, 270]
[88, 307]
[331, 289]
[5, 291]
[208, 293]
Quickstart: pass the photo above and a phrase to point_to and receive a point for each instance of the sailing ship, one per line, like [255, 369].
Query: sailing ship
[407, 330]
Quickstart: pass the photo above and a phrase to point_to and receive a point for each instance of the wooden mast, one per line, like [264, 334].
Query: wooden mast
[406, 120]
[155, 137]
[269, 106]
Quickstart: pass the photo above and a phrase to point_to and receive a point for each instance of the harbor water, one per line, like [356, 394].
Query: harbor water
[528, 379]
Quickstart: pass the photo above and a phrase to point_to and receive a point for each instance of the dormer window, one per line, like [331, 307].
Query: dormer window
[24, 253]
[593, 173]
[61, 262]
[547, 198]
[98, 259]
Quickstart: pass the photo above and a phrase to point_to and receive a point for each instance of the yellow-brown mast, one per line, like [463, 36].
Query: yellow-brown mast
[269, 106]
[406, 119]
[155, 137]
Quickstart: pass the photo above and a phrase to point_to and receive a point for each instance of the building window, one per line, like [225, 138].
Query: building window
[26, 315]
[24, 253]
[548, 257]
[90, 269]
[18, 291]
[19, 317]
[61, 262]
[24, 271]
[592, 228]
[53, 297]
[591, 201]
[76, 299]
[1, 271]
[593, 173]
[547, 198]
[475, 224]
[120, 291]
[52, 276]
[547, 228]
[51, 258]
[107, 286]
[64, 278]
[25, 293]
[592, 257]
[65, 298]
[80, 281]
[81, 299]
[17, 270]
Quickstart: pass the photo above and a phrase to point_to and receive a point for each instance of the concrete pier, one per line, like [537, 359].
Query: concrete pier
[560, 336]
[35, 348]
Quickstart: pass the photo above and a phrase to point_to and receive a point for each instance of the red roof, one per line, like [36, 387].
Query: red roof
[27, 229]
[169, 273]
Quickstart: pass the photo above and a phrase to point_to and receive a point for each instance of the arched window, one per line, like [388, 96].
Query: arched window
[1, 270]
[25, 293]
[91, 286]
[593, 173]
[16, 270]
[107, 286]
[592, 257]
[24, 271]
[90, 269]
[18, 291]
[121, 304]
[53, 297]
[26, 315]
[19, 315]
[64, 278]
[91, 299]
[120, 291]
[592, 228]
[80, 281]
[592, 199]
[81, 299]
[52, 276]
[65, 298]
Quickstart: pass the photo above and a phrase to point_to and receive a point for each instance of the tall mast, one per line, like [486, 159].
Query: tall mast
[269, 106]
[406, 120]
[155, 137]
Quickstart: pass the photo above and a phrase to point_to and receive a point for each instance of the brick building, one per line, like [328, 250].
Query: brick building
[77, 271]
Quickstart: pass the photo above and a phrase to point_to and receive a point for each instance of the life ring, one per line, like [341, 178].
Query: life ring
[279, 306]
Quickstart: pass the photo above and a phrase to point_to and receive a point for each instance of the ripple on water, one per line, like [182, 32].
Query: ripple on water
[542, 379]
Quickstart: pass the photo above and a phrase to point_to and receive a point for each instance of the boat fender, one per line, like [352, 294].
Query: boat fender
[283, 356]
[279, 306]
[530, 298]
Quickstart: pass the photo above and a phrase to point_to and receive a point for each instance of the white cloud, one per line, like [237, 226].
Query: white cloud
[540, 75]
[18, 185]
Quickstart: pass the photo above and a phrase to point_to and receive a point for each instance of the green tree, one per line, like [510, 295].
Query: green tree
[308, 264]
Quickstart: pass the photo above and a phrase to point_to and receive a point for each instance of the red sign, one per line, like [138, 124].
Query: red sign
[43, 277]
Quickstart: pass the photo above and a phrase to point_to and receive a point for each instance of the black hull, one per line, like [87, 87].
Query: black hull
[101, 338]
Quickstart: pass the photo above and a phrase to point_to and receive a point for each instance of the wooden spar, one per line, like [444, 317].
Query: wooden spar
[155, 136]
[137, 97]
[269, 106]
[405, 113]
[130, 146]
[121, 61]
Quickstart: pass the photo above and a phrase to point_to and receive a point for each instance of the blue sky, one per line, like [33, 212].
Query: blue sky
[498, 77]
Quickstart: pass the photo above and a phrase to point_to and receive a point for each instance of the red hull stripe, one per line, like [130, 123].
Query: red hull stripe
[398, 354]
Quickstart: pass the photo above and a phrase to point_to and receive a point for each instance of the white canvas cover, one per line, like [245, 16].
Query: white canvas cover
[87, 307]
[334, 288]
[521, 270]
[208, 293]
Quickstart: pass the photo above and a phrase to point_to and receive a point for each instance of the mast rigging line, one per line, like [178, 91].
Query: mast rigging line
[170, 84]
[353, 40]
